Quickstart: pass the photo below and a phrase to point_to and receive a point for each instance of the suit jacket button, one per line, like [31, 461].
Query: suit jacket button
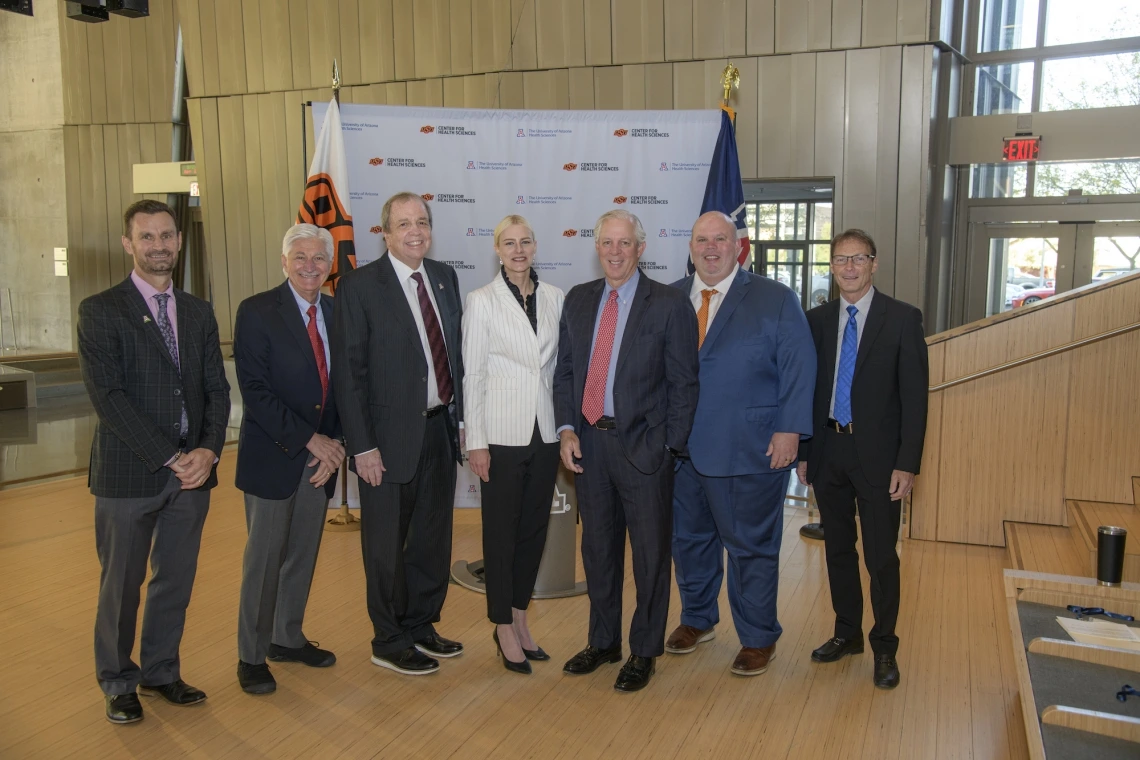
[317, 407]
[424, 412]
[423, 379]
[177, 392]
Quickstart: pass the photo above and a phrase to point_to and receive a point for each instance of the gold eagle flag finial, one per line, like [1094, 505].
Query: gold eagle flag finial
[336, 76]
[730, 78]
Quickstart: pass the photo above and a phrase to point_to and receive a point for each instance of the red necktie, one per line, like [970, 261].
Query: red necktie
[435, 342]
[594, 397]
[319, 353]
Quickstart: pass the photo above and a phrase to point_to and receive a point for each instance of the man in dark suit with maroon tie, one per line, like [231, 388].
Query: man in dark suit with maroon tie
[288, 455]
[625, 392]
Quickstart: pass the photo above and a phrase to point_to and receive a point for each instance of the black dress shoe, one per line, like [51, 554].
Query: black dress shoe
[176, 692]
[123, 708]
[837, 648]
[515, 667]
[255, 679]
[410, 662]
[437, 646]
[886, 671]
[588, 660]
[306, 655]
[536, 654]
[634, 675]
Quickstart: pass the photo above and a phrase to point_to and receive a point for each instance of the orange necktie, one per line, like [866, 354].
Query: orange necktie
[703, 316]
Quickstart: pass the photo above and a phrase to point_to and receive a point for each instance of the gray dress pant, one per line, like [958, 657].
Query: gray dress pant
[277, 570]
[167, 529]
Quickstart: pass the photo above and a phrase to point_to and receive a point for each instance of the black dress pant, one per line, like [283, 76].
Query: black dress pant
[841, 488]
[516, 511]
[405, 535]
[613, 497]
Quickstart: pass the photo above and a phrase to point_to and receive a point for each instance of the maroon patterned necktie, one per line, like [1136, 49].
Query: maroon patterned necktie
[435, 341]
[319, 354]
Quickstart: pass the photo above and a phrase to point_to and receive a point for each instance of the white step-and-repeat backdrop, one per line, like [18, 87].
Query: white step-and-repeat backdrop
[559, 169]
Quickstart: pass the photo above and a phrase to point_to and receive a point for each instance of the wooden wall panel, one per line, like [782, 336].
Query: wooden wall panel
[761, 25]
[688, 85]
[231, 47]
[887, 165]
[139, 68]
[115, 63]
[239, 264]
[490, 35]
[431, 38]
[913, 21]
[642, 31]
[581, 85]
[189, 20]
[162, 35]
[719, 28]
[791, 26]
[376, 51]
[680, 29]
[596, 15]
[253, 44]
[113, 198]
[460, 25]
[658, 86]
[846, 23]
[609, 88]
[204, 127]
[747, 104]
[633, 88]
[324, 41]
[94, 72]
[786, 128]
[299, 43]
[256, 195]
[560, 28]
[524, 50]
[913, 172]
[880, 22]
[279, 204]
[819, 24]
[211, 63]
[548, 90]
[830, 118]
[426, 92]
[348, 52]
[923, 523]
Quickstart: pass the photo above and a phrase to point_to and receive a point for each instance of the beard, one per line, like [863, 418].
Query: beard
[152, 265]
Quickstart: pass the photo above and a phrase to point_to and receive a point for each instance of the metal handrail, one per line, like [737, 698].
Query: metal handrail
[1035, 357]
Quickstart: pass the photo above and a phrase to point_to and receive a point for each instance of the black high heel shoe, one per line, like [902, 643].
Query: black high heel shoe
[536, 654]
[515, 667]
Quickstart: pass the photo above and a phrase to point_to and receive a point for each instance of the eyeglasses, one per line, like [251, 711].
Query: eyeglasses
[859, 260]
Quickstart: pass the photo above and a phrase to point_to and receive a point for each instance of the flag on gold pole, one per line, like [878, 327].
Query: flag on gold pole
[326, 202]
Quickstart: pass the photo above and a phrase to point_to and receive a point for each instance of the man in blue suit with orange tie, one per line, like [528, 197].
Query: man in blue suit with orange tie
[757, 378]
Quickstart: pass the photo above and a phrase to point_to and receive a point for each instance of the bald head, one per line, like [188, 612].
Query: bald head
[713, 247]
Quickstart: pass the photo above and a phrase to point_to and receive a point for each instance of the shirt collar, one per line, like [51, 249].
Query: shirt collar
[148, 291]
[721, 287]
[863, 304]
[627, 289]
[403, 271]
[302, 304]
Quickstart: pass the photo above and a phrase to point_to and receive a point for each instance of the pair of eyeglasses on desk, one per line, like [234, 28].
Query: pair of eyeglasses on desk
[1083, 612]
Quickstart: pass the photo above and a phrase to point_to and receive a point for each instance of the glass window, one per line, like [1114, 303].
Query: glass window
[821, 222]
[786, 228]
[1008, 25]
[1069, 21]
[765, 222]
[998, 180]
[1120, 177]
[1114, 256]
[1004, 88]
[820, 274]
[1098, 81]
[1022, 272]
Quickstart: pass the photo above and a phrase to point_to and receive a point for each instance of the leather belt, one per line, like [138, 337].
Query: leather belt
[435, 410]
[834, 425]
[604, 423]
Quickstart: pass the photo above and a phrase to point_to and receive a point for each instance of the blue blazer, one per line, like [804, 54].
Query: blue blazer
[757, 376]
[281, 393]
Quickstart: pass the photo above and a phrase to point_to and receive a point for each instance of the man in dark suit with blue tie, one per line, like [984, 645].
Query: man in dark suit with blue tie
[152, 364]
[757, 373]
[288, 455]
[625, 390]
[869, 421]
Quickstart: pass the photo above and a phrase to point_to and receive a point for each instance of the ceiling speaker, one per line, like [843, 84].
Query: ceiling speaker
[88, 13]
[17, 6]
[129, 8]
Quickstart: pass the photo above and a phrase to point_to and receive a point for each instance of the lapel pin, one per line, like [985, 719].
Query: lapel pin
[441, 286]
[146, 320]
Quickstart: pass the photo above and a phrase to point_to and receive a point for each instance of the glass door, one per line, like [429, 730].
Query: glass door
[1106, 250]
[1025, 263]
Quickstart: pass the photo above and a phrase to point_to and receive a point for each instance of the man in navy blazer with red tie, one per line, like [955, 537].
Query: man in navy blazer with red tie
[288, 455]
[757, 378]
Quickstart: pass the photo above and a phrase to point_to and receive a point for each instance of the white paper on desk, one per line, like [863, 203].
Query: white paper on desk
[1101, 633]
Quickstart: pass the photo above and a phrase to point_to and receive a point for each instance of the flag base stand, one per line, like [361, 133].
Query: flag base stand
[343, 522]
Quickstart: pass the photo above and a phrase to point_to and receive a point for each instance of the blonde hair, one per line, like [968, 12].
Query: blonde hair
[512, 219]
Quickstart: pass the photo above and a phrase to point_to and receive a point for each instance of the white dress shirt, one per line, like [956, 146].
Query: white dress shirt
[717, 299]
[863, 305]
[304, 305]
[411, 292]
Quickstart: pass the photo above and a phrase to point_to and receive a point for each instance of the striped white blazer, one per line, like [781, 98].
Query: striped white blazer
[509, 371]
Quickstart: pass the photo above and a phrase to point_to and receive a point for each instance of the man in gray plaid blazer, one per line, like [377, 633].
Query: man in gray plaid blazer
[152, 365]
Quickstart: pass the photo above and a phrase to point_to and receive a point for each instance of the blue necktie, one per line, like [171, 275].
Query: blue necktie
[846, 369]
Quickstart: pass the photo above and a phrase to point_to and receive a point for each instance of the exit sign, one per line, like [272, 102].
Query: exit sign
[1021, 149]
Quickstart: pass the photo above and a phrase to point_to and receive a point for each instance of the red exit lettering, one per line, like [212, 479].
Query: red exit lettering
[1021, 149]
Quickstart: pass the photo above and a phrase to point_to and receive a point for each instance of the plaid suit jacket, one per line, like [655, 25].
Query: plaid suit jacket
[138, 394]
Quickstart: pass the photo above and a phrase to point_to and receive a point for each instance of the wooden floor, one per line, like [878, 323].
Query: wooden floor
[957, 698]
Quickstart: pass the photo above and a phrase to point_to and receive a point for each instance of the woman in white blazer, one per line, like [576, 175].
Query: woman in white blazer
[510, 345]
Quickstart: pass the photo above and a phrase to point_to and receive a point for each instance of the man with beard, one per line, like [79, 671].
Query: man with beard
[152, 365]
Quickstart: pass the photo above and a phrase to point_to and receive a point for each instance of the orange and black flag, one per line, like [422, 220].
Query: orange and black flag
[326, 202]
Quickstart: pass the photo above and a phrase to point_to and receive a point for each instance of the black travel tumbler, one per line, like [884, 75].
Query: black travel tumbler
[1110, 555]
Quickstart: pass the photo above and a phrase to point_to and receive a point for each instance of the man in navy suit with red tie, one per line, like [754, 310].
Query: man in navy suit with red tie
[288, 455]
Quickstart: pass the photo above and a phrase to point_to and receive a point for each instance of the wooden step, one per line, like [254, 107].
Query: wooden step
[1046, 549]
[1087, 516]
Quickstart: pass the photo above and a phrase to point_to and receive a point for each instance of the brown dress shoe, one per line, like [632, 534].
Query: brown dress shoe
[685, 639]
[752, 661]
